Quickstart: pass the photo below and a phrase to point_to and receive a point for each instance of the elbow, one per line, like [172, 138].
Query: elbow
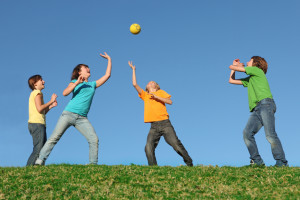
[65, 93]
[40, 110]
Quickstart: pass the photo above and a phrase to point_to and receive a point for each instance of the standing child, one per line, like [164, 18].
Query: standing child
[37, 112]
[262, 108]
[155, 112]
[75, 114]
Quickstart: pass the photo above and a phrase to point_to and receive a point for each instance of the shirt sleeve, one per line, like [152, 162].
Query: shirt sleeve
[252, 71]
[142, 95]
[163, 94]
[94, 84]
[36, 92]
[245, 81]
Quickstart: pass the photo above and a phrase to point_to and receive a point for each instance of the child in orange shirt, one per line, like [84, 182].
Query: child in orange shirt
[155, 112]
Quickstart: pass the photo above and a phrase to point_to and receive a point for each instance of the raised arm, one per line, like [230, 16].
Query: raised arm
[47, 106]
[104, 78]
[134, 83]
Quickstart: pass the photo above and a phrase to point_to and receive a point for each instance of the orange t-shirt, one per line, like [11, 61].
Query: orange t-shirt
[154, 110]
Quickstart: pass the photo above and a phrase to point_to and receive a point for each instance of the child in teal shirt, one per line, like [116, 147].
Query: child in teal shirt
[262, 108]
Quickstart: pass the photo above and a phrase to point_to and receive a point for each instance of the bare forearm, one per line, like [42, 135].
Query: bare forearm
[232, 75]
[44, 107]
[107, 75]
[134, 83]
[232, 79]
[164, 100]
[69, 89]
[108, 70]
[237, 68]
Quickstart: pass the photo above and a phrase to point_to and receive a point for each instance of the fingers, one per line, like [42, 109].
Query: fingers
[130, 64]
[105, 55]
[81, 78]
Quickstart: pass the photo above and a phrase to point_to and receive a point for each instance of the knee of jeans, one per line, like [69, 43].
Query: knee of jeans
[53, 139]
[148, 148]
[272, 139]
[246, 134]
[93, 140]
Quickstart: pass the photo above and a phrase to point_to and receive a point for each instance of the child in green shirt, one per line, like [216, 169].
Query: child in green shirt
[262, 108]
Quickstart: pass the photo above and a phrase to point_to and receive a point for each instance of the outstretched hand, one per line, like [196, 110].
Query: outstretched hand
[130, 64]
[105, 55]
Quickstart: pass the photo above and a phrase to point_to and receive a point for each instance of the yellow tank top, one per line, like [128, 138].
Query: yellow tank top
[34, 115]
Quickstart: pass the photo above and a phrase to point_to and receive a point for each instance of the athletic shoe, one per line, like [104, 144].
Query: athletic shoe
[39, 162]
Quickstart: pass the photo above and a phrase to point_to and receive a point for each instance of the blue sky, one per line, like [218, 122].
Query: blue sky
[185, 46]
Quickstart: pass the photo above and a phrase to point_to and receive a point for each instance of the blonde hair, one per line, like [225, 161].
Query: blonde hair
[157, 87]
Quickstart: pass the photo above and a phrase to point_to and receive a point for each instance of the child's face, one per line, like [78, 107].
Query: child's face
[85, 72]
[40, 84]
[151, 85]
[250, 63]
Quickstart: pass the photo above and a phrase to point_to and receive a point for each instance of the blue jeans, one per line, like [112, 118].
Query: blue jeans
[263, 115]
[39, 137]
[83, 125]
[164, 128]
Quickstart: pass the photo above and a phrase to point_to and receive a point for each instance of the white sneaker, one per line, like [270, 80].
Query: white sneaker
[39, 162]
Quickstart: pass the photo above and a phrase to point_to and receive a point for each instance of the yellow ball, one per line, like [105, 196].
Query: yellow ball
[135, 29]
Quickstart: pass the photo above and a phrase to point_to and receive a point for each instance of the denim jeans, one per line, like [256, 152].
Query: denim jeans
[83, 125]
[164, 128]
[39, 137]
[263, 115]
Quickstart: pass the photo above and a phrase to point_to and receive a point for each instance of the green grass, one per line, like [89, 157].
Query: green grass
[144, 182]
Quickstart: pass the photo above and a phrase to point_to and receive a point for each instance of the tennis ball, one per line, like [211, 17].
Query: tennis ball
[135, 29]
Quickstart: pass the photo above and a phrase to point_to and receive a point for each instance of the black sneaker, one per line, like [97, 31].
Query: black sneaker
[252, 163]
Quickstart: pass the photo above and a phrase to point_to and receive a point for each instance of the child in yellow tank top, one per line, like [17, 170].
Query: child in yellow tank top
[37, 111]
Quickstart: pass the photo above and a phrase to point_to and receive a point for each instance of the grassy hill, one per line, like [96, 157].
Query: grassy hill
[144, 182]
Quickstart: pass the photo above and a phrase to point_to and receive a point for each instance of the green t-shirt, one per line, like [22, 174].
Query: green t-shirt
[258, 86]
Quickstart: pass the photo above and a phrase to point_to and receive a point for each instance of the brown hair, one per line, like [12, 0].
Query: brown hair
[32, 80]
[260, 63]
[156, 86]
[76, 70]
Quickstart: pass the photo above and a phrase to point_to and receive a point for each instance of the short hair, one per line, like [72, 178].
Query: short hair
[76, 70]
[32, 80]
[156, 86]
[260, 63]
